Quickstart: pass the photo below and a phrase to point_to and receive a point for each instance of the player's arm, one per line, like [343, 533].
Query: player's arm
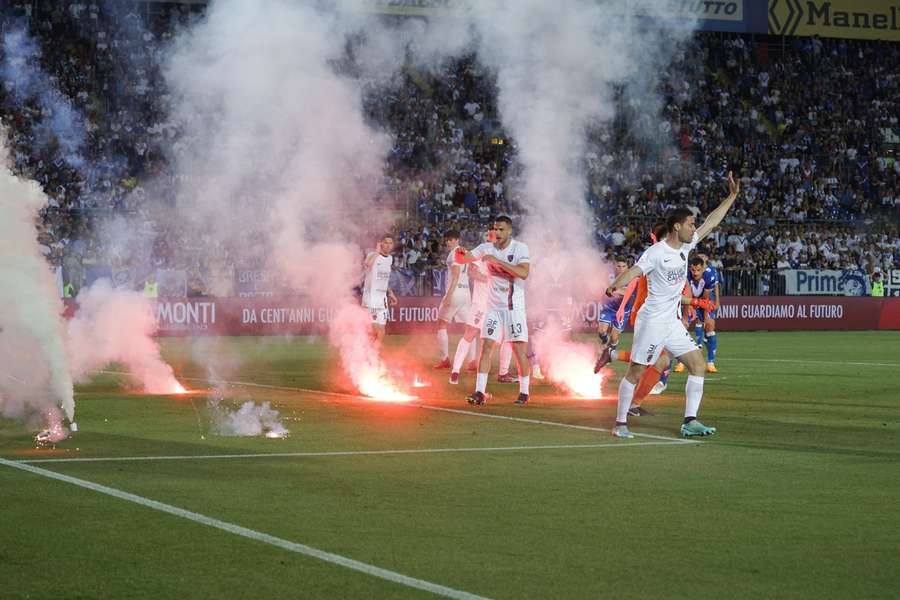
[451, 285]
[624, 279]
[463, 256]
[520, 270]
[370, 259]
[715, 217]
[716, 301]
[392, 297]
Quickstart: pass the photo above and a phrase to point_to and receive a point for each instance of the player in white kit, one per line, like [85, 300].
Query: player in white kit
[456, 305]
[478, 277]
[508, 265]
[658, 325]
[377, 295]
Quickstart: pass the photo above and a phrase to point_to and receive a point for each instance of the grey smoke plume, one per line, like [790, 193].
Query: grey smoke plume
[34, 369]
[25, 80]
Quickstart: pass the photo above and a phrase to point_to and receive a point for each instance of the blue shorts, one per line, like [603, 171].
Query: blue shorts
[609, 316]
[701, 314]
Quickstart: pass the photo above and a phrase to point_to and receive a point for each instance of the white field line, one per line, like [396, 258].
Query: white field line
[811, 362]
[472, 413]
[349, 452]
[429, 407]
[303, 549]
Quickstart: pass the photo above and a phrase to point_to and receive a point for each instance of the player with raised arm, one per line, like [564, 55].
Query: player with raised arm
[658, 325]
[508, 266]
[457, 301]
[377, 295]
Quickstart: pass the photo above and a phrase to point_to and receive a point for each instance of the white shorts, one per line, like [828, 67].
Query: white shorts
[503, 324]
[379, 315]
[455, 312]
[651, 338]
[476, 317]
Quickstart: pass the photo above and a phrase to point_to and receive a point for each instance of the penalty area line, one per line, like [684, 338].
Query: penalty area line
[252, 534]
[353, 452]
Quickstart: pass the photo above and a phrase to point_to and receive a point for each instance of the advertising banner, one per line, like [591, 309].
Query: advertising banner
[817, 282]
[299, 316]
[857, 19]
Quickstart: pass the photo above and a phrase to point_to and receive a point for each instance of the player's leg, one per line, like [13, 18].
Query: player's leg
[614, 352]
[506, 353]
[606, 331]
[491, 333]
[680, 344]
[647, 346]
[709, 328]
[379, 321]
[466, 343]
[443, 340]
[663, 383]
[648, 381]
[520, 351]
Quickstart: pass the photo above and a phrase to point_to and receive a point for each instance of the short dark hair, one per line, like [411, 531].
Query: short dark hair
[451, 234]
[503, 219]
[659, 230]
[696, 261]
[621, 259]
[386, 236]
[677, 215]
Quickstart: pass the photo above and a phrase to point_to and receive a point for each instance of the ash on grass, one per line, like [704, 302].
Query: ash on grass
[249, 420]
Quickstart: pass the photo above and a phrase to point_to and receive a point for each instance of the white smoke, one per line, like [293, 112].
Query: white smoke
[34, 369]
[249, 420]
[114, 325]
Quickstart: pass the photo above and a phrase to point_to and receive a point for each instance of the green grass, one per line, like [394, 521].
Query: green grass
[795, 497]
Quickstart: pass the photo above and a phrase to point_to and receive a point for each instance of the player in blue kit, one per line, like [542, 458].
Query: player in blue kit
[704, 284]
[612, 320]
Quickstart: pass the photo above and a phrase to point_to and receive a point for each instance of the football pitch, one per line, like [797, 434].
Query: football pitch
[796, 496]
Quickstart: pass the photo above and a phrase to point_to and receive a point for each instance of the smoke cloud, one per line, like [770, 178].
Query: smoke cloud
[35, 379]
[114, 325]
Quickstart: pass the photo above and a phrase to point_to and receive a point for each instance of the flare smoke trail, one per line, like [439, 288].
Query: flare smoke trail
[558, 66]
[276, 158]
[23, 77]
[117, 326]
[35, 379]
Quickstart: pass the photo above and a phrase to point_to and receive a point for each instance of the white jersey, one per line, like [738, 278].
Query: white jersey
[377, 278]
[506, 292]
[666, 271]
[460, 295]
[480, 287]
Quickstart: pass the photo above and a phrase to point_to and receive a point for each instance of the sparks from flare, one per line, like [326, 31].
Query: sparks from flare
[374, 384]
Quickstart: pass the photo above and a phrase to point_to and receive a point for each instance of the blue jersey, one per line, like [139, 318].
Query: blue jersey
[707, 283]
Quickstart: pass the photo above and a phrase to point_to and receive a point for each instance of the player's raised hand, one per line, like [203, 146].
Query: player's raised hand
[459, 255]
[734, 186]
[610, 291]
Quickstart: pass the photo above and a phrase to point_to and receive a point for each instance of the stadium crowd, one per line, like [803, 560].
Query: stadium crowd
[808, 124]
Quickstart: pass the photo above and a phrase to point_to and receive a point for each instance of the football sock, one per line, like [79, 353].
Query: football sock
[693, 392]
[626, 393]
[443, 343]
[505, 358]
[698, 332]
[462, 348]
[481, 382]
[711, 346]
[648, 380]
[523, 383]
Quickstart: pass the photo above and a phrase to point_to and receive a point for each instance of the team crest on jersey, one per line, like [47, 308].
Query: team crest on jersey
[509, 257]
[681, 254]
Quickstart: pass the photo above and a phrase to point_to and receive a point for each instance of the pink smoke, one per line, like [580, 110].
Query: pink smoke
[350, 333]
[114, 325]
